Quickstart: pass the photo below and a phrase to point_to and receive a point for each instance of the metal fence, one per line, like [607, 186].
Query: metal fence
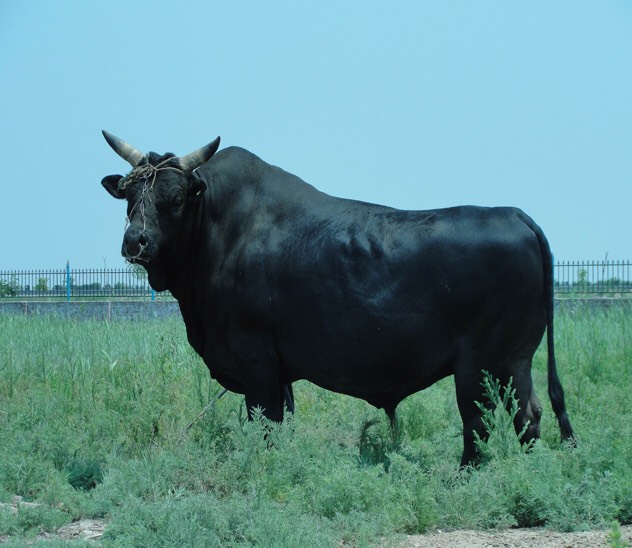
[76, 284]
[572, 278]
[593, 278]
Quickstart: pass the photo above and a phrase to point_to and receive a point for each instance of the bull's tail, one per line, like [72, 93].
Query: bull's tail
[556, 392]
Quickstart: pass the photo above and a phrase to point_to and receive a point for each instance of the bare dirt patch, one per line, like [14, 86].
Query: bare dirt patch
[514, 538]
[84, 530]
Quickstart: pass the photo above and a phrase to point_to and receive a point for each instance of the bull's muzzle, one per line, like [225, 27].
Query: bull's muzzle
[135, 244]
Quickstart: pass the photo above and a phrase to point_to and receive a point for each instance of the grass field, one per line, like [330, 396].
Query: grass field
[104, 420]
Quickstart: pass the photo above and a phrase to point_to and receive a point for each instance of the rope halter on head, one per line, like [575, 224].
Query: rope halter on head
[145, 173]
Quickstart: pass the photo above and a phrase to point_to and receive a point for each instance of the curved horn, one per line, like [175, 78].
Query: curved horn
[125, 151]
[200, 156]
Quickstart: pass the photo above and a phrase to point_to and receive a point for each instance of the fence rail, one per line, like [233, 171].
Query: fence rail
[572, 278]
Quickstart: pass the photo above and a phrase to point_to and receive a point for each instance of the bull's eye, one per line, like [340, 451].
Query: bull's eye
[176, 201]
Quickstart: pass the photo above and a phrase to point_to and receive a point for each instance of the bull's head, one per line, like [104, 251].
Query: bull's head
[160, 191]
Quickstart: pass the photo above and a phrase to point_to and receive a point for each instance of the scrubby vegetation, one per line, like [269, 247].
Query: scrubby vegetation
[119, 421]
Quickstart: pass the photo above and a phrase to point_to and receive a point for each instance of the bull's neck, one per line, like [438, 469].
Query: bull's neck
[187, 262]
[208, 236]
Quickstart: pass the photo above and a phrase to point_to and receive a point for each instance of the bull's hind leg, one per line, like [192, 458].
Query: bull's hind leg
[288, 397]
[468, 392]
[530, 410]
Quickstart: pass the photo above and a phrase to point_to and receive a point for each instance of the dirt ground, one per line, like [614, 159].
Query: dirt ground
[514, 538]
[91, 530]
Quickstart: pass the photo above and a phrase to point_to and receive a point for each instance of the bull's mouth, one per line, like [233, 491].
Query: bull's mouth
[142, 253]
[146, 260]
[143, 261]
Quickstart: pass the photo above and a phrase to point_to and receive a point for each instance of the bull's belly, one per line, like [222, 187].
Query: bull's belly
[374, 372]
[385, 392]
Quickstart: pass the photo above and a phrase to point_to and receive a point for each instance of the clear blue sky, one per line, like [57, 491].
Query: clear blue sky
[415, 105]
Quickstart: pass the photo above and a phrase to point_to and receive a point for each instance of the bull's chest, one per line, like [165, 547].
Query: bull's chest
[220, 361]
[210, 342]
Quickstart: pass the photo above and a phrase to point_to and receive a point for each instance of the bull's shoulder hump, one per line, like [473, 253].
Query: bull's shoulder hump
[234, 156]
[239, 162]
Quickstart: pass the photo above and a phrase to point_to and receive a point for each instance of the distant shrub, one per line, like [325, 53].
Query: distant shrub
[42, 285]
[9, 288]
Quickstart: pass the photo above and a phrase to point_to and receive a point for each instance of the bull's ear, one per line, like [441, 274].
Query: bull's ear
[197, 187]
[110, 183]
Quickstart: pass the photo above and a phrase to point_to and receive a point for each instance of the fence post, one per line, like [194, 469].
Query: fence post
[67, 281]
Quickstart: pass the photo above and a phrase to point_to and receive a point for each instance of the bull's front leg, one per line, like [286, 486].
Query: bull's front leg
[260, 376]
[267, 395]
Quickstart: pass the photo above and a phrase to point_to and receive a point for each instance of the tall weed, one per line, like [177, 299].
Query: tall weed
[498, 414]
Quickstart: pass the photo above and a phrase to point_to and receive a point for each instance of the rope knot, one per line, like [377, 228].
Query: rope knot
[145, 173]
[137, 174]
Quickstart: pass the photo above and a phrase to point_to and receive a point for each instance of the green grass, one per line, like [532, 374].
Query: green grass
[102, 420]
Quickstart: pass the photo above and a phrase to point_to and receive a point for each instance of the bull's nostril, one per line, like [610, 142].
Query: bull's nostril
[142, 240]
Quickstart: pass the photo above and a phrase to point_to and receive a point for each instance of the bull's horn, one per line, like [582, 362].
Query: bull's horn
[201, 156]
[125, 151]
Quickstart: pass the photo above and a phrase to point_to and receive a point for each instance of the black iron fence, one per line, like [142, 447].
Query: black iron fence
[77, 283]
[572, 278]
[593, 278]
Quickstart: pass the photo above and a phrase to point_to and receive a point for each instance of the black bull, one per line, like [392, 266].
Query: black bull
[278, 282]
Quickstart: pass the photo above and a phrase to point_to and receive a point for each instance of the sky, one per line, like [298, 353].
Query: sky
[415, 105]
